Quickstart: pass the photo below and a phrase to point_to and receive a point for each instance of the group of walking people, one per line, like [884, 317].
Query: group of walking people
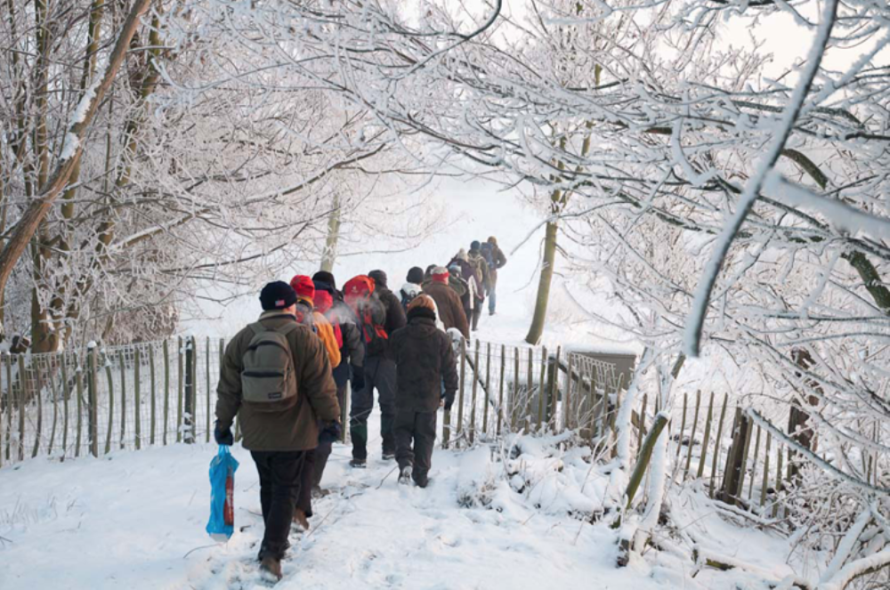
[286, 375]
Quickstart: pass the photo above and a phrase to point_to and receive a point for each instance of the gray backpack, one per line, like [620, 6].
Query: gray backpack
[268, 379]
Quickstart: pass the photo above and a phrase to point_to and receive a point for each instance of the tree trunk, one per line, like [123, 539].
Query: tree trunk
[329, 256]
[38, 208]
[543, 298]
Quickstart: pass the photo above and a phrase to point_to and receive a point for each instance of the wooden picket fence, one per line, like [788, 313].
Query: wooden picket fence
[104, 399]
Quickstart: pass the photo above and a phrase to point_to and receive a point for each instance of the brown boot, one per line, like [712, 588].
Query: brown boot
[271, 566]
[300, 519]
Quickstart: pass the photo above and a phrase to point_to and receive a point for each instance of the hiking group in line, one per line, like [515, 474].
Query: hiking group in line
[286, 376]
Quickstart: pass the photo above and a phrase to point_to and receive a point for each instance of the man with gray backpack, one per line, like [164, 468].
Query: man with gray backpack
[276, 375]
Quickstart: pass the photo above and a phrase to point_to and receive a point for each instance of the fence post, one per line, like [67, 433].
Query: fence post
[166, 392]
[39, 397]
[692, 436]
[717, 445]
[66, 393]
[514, 401]
[78, 374]
[55, 394]
[122, 357]
[137, 400]
[475, 391]
[501, 388]
[682, 429]
[93, 416]
[542, 390]
[567, 399]
[110, 378]
[645, 457]
[463, 379]
[207, 420]
[732, 475]
[706, 439]
[154, 405]
[553, 387]
[6, 406]
[527, 406]
[189, 415]
[179, 391]
[487, 386]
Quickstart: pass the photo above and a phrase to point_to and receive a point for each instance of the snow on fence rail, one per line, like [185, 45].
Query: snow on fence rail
[102, 399]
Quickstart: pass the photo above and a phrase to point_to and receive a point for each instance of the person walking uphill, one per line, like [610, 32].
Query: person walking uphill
[379, 314]
[483, 277]
[425, 359]
[319, 324]
[276, 375]
[352, 354]
[496, 261]
[448, 303]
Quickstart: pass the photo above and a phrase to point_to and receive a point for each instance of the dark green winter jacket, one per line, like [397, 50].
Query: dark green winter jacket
[295, 429]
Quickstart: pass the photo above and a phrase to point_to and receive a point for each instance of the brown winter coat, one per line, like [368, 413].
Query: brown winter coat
[451, 311]
[295, 429]
[424, 357]
[498, 258]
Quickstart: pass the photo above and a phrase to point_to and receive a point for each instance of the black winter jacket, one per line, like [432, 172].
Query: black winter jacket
[424, 357]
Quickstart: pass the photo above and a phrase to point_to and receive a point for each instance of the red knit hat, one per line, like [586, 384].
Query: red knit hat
[304, 287]
[441, 274]
[323, 300]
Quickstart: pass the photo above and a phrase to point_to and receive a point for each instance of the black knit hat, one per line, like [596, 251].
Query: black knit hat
[475, 245]
[277, 295]
[324, 276]
[415, 275]
[379, 277]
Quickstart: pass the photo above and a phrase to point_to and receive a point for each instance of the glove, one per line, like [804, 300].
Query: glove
[330, 432]
[223, 436]
[358, 378]
[449, 401]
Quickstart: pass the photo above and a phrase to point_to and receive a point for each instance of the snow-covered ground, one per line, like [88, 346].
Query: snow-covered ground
[488, 520]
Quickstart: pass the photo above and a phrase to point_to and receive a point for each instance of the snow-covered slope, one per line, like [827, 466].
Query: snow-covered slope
[520, 520]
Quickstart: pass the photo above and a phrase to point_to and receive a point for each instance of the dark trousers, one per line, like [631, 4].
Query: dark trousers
[380, 373]
[477, 313]
[324, 449]
[419, 428]
[280, 482]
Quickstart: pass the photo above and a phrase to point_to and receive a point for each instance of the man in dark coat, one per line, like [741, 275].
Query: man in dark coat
[380, 374]
[425, 361]
[498, 260]
[451, 312]
[278, 439]
[329, 301]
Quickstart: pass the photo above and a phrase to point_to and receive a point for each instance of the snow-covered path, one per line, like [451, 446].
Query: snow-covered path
[128, 521]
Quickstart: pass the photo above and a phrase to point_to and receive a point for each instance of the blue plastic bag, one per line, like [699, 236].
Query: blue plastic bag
[222, 495]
